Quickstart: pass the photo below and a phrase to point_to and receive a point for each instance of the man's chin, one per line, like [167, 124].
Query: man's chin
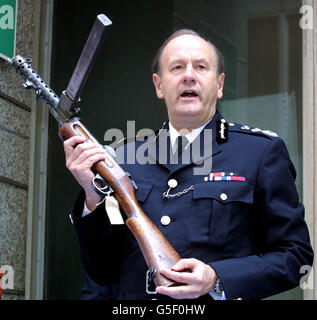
[189, 109]
[189, 114]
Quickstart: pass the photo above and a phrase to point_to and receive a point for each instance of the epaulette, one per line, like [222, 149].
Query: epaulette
[246, 129]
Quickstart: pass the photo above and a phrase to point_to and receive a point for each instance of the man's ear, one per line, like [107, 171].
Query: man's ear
[158, 85]
[221, 81]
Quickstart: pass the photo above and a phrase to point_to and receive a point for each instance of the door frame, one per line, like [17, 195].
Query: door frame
[35, 242]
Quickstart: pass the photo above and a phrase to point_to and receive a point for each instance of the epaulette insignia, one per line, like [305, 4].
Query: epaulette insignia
[267, 132]
[221, 131]
[270, 133]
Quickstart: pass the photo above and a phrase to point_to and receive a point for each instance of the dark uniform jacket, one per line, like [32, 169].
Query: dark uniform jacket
[248, 226]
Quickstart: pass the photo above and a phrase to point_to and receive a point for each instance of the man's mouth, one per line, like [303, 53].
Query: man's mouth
[189, 94]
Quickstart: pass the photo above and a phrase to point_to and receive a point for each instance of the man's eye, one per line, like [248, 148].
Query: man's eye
[178, 67]
[201, 67]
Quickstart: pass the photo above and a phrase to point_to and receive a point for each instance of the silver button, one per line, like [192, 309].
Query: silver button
[223, 197]
[172, 183]
[165, 220]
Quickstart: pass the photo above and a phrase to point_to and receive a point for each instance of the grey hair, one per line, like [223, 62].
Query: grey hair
[156, 64]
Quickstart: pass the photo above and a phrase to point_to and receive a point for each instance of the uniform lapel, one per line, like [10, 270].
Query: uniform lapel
[201, 149]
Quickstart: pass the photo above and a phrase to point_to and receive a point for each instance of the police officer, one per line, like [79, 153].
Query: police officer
[239, 226]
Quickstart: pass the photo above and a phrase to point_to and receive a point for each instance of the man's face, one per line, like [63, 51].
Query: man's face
[188, 81]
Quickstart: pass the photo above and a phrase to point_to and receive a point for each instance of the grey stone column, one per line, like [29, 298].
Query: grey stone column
[16, 106]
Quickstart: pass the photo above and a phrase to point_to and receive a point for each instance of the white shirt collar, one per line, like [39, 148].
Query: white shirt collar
[191, 136]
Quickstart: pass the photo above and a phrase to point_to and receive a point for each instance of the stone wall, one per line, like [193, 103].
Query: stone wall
[15, 127]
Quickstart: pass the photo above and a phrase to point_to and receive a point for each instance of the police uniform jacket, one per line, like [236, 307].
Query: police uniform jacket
[250, 228]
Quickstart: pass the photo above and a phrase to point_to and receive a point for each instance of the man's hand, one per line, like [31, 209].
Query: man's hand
[198, 282]
[80, 157]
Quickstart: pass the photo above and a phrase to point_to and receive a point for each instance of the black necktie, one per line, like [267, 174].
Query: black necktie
[181, 143]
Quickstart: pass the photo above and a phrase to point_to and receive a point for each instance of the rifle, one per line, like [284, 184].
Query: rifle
[156, 249]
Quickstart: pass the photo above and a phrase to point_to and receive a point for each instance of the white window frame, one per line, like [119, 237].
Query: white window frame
[310, 138]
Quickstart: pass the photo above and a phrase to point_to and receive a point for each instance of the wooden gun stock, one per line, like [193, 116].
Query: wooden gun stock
[156, 250]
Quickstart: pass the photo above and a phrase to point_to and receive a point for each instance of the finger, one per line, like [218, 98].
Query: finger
[82, 149]
[88, 153]
[70, 144]
[181, 277]
[180, 292]
[83, 173]
[185, 264]
[82, 167]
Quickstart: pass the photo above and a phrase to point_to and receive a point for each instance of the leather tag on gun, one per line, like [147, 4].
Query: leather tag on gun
[113, 211]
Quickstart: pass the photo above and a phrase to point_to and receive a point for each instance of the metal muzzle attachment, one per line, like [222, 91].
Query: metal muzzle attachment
[42, 91]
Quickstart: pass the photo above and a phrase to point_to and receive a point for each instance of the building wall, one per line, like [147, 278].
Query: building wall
[15, 127]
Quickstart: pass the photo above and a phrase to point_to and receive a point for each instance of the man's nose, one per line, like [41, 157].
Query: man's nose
[189, 75]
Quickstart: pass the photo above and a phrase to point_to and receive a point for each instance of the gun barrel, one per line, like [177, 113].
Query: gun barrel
[33, 81]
